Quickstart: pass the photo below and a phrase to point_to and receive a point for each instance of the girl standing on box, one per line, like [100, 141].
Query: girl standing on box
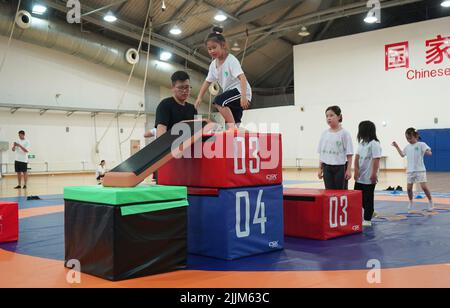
[367, 164]
[227, 71]
[336, 152]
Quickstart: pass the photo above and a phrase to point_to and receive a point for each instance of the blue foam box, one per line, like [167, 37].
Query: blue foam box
[234, 223]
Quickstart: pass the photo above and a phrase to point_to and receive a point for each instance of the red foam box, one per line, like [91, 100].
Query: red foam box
[322, 214]
[9, 222]
[227, 160]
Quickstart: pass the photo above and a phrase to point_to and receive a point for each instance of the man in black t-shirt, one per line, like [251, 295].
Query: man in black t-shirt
[175, 109]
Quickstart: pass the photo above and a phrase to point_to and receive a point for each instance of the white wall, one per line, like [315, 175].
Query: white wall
[66, 151]
[33, 75]
[350, 72]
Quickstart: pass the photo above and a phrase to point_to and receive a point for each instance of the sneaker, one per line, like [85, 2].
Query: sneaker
[375, 215]
[17, 187]
[399, 188]
[24, 187]
[430, 207]
[410, 206]
[367, 223]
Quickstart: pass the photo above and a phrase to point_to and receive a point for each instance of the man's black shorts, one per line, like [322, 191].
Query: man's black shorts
[20, 166]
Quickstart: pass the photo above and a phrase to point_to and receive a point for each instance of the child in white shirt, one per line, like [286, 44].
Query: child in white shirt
[417, 173]
[367, 164]
[336, 152]
[227, 71]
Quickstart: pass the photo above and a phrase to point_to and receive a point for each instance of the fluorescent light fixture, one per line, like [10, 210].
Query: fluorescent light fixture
[220, 17]
[175, 31]
[446, 3]
[110, 17]
[304, 32]
[370, 18]
[39, 9]
[165, 56]
[236, 47]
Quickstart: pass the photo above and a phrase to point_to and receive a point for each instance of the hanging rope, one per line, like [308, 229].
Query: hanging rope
[245, 47]
[13, 26]
[144, 85]
[128, 81]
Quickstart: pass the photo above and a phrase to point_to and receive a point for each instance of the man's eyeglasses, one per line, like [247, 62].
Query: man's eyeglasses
[184, 89]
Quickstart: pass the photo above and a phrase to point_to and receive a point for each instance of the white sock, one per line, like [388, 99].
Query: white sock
[410, 205]
[430, 205]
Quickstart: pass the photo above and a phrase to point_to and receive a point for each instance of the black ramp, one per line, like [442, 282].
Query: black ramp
[158, 149]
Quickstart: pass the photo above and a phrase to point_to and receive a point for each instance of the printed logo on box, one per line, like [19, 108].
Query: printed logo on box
[273, 244]
[355, 228]
[272, 177]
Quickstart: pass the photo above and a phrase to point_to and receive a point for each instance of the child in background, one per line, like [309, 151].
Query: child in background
[336, 152]
[227, 71]
[100, 172]
[367, 164]
[417, 173]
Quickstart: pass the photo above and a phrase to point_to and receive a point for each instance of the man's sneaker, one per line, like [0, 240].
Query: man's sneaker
[375, 215]
[24, 187]
[367, 224]
[17, 187]
[390, 188]
[430, 207]
[399, 188]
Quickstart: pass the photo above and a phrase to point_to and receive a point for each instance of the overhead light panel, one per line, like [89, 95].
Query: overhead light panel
[39, 9]
[175, 31]
[165, 56]
[236, 47]
[220, 17]
[304, 32]
[446, 3]
[110, 17]
[370, 18]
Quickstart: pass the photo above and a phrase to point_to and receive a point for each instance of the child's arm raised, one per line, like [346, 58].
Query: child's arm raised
[395, 144]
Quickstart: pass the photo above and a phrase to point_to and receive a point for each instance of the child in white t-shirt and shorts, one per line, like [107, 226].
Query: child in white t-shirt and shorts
[417, 173]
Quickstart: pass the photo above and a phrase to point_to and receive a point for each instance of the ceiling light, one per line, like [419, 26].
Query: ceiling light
[110, 17]
[220, 17]
[446, 3]
[236, 47]
[175, 31]
[370, 18]
[304, 32]
[165, 56]
[39, 9]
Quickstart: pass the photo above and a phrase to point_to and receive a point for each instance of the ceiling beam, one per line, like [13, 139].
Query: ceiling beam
[243, 19]
[319, 17]
[134, 32]
[258, 41]
[272, 68]
[180, 13]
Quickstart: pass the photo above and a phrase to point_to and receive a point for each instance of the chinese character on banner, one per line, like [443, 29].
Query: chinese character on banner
[397, 55]
[438, 47]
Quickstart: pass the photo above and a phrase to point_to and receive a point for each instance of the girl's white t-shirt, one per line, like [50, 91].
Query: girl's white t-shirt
[367, 153]
[334, 147]
[227, 75]
[414, 154]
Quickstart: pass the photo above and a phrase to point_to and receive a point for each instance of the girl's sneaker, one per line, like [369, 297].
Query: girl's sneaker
[367, 223]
